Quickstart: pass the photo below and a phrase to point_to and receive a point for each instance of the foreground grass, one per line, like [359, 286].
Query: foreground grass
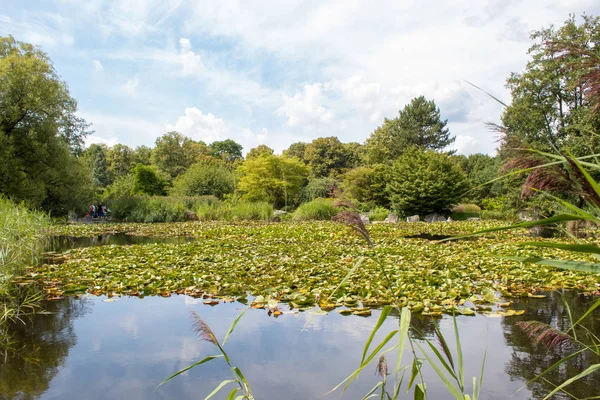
[303, 263]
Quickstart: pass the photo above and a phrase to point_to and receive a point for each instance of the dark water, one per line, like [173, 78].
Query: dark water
[92, 349]
[63, 243]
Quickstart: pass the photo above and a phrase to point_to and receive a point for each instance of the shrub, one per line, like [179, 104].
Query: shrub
[202, 179]
[147, 180]
[157, 208]
[319, 209]
[379, 214]
[422, 182]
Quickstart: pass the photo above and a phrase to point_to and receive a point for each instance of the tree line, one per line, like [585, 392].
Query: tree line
[404, 164]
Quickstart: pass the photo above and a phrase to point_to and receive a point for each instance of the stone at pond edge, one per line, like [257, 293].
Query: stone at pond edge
[279, 213]
[392, 218]
[435, 217]
[473, 219]
[413, 218]
[365, 218]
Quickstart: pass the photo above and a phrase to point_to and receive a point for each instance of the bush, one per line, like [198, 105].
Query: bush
[379, 214]
[202, 179]
[422, 182]
[319, 209]
[148, 180]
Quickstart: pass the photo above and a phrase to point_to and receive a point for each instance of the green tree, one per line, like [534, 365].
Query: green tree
[142, 155]
[121, 187]
[174, 153]
[422, 182]
[296, 150]
[120, 160]
[96, 156]
[358, 184]
[327, 157]
[274, 179]
[320, 187]
[418, 124]
[550, 107]
[257, 151]
[228, 150]
[40, 136]
[202, 179]
[148, 180]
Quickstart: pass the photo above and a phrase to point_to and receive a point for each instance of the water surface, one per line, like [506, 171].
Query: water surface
[96, 349]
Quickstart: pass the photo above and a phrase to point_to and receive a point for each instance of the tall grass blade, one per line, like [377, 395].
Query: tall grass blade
[404, 326]
[232, 393]
[204, 360]
[589, 370]
[384, 313]
[233, 325]
[548, 221]
[564, 264]
[219, 387]
[579, 248]
[587, 313]
[459, 356]
[247, 389]
[457, 395]
[551, 368]
[371, 394]
[420, 391]
[348, 275]
[416, 367]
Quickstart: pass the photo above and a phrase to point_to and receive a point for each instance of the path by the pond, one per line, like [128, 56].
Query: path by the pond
[96, 349]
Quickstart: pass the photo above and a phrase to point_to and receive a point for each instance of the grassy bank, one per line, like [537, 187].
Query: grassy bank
[22, 236]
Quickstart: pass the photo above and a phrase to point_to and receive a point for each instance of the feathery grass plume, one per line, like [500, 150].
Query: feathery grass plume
[353, 220]
[382, 368]
[202, 329]
[545, 334]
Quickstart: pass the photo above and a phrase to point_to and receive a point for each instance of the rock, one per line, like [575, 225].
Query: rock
[449, 219]
[190, 216]
[279, 213]
[528, 215]
[276, 219]
[392, 218]
[542, 231]
[413, 218]
[473, 219]
[364, 217]
[435, 217]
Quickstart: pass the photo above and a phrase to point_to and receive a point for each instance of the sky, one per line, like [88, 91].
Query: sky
[279, 72]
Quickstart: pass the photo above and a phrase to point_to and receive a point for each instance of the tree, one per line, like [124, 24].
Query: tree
[326, 157]
[357, 184]
[147, 180]
[422, 182]
[203, 179]
[418, 124]
[142, 155]
[40, 136]
[257, 151]
[296, 150]
[228, 150]
[120, 160]
[274, 179]
[550, 107]
[320, 187]
[96, 156]
[174, 153]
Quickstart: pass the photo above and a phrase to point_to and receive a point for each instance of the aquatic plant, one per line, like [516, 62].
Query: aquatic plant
[206, 334]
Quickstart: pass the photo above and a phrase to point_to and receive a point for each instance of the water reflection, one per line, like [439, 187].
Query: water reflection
[529, 359]
[63, 243]
[39, 348]
[97, 349]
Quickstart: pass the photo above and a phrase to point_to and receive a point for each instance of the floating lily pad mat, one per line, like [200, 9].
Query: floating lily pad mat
[303, 263]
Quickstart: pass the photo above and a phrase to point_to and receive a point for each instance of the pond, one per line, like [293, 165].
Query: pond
[61, 243]
[98, 348]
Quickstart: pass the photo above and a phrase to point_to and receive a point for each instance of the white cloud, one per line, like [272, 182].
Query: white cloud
[191, 63]
[209, 128]
[111, 128]
[97, 66]
[305, 108]
[129, 88]
[93, 139]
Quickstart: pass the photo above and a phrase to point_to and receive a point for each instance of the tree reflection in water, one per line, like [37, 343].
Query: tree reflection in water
[40, 349]
[529, 359]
